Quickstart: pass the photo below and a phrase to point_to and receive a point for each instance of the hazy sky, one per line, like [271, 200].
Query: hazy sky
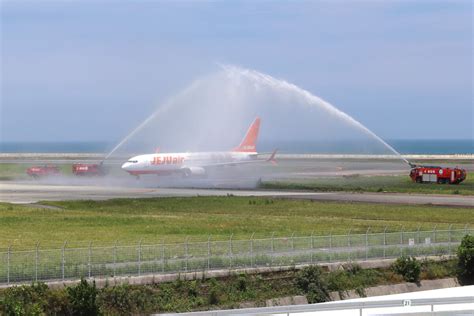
[93, 70]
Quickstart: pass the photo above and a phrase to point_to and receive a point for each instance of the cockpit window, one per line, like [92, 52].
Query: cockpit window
[133, 161]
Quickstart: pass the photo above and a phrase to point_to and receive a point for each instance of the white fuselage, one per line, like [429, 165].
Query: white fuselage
[187, 163]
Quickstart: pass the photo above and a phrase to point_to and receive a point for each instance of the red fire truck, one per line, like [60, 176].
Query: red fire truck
[88, 169]
[43, 171]
[424, 174]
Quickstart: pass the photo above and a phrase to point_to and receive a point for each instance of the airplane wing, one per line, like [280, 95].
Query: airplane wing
[245, 162]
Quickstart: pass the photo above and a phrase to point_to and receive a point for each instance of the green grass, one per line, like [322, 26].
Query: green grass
[175, 219]
[400, 184]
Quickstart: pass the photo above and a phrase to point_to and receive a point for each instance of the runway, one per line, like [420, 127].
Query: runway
[31, 192]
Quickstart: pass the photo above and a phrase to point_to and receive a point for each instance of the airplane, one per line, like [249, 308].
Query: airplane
[195, 164]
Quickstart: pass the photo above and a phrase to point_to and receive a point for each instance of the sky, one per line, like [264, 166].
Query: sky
[94, 70]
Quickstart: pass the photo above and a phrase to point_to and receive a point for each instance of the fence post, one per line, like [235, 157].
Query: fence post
[349, 245]
[89, 259]
[418, 234]
[140, 257]
[330, 245]
[434, 233]
[367, 244]
[186, 254]
[162, 256]
[449, 244]
[251, 250]
[292, 241]
[401, 235]
[115, 258]
[230, 250]
[63, 259]
[312, 245]
[401, 240]
[273, 248]
[418, 246]
[209, 252]
[155, 261]
[465, 229]
[8, 264]
[36, 261]
[384, 241]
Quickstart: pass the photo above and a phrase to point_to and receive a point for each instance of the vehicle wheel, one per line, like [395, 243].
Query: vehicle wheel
[418, 180]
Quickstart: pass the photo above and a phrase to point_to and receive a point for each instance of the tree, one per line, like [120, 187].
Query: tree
[465, 271]
[408, 267]
[312, 282]
[83, 298]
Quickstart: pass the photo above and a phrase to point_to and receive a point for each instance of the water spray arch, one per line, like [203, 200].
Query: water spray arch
[212, 113]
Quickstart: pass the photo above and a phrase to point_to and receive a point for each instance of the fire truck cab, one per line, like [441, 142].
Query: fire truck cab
[88, 169]
[43, 171]
[426, 174]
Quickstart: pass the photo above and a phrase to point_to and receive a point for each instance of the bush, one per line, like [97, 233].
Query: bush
[83, 298]
[311, 281]
[115, 300]
[58, 303]
[433, 270]
[213, 298]
[193, 289]
[408, 267]
[465, 271]
[25, 300]
[242, 283]
[353, 277]
[125, 299]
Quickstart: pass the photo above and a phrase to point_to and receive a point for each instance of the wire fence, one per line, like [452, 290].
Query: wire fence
[66, 263]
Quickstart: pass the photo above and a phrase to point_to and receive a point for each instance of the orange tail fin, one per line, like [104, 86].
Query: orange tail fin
[249, 142]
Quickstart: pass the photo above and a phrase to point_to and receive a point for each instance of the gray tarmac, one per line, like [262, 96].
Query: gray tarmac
[33, 192]
[238, 181]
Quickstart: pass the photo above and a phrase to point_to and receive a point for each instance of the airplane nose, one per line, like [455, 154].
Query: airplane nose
[125, 166]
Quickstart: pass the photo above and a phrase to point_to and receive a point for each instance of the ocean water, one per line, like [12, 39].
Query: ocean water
[404, 146]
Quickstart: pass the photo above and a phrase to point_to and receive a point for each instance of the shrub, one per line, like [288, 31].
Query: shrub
[115, 300]
[125, 299]
[311, 281]
[242, 283]
[465, 271]
[408, 267]
[340, 282]
[83, 298]
[25, 300]
[433, 270]
[193, 289]
[213, 296]
[58, 303]
[353, 277]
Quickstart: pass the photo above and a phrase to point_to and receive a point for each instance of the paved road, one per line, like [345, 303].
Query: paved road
[30, 192]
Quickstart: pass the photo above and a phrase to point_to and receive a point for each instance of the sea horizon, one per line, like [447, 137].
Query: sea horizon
[403, 146]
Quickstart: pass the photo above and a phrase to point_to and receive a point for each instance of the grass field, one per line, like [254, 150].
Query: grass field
[401, 183]
[174, 219]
